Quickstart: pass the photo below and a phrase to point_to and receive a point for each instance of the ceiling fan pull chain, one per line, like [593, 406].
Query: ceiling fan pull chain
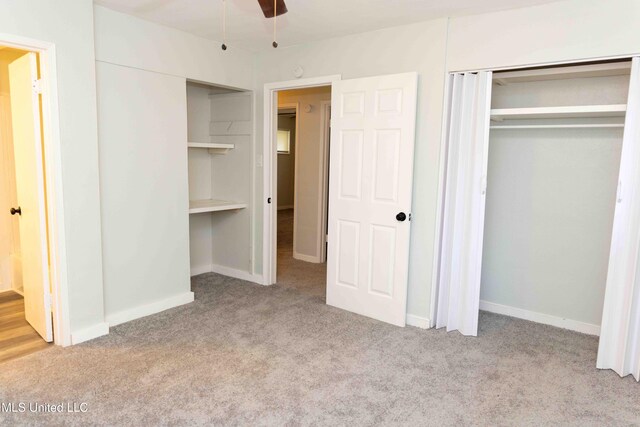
[275, 13]
[224, 25]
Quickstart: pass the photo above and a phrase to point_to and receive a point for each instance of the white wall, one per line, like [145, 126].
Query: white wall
[561, 31]
[287, 164]
[143, 188]
[142, 102]
[126, 40]
[10, 268]
[69, 24]
[232, 176]
[549, 215]
[418, 47]
[308, 173]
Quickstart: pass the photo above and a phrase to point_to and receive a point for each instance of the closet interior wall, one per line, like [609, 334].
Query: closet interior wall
[220, 157]
[551, 189]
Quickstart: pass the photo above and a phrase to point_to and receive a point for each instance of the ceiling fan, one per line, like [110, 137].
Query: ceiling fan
[267, 7]
[270, 9]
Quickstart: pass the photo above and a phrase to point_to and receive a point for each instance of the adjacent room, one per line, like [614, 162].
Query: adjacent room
[302, 176]
[26, 324]
[293, 212]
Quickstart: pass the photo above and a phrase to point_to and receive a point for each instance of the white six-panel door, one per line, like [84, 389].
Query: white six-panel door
[371, 177]
[27, 140]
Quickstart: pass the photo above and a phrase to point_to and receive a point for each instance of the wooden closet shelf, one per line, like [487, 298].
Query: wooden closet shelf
[594, 111]
[567, 126]
[213, 147]
[213, 205]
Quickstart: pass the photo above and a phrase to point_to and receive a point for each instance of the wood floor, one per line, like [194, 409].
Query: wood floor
[17, 337]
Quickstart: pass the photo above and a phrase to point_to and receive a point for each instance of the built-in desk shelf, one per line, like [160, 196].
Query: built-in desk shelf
[213, 147]
[213, 205]
[568, 112]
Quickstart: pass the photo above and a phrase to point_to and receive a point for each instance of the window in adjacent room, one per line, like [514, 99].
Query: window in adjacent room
[284, 141]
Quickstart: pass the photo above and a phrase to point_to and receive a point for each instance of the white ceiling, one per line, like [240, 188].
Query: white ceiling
[307, 20]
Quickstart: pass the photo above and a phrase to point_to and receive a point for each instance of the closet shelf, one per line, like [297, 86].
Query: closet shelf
[213, 205]
[594, 111]
[560, 73]
[568, 126]
[213, 147]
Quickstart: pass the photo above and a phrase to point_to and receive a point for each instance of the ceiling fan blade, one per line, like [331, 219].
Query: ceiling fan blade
[267, 7]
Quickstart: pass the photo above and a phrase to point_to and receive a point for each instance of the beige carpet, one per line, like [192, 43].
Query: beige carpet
[244, 354]
[307, 277]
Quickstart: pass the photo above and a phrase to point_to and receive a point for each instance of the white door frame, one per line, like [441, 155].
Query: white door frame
[325, 137]
[442, 176]
[53, 178]
[288, 106]
[270, 159]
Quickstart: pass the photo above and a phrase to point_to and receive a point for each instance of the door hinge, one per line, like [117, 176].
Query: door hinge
[37, 86]
[269, 200]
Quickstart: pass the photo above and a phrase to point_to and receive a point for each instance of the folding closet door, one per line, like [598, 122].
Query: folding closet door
[463, 213]
[619, 347]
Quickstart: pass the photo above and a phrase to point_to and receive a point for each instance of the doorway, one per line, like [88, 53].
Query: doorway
[302, 188]
[371, 179]
[25, 282]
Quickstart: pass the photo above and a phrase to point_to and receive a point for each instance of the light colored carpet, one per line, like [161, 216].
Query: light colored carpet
[244, 354]
[306, 277]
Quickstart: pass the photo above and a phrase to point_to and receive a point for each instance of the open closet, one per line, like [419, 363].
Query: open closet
[541, 202]
[554, 155]
[220, 156]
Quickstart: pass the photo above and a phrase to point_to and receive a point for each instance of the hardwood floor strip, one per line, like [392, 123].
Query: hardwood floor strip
[17, 337]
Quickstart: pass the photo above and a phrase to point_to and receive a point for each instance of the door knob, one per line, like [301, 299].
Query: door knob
[401, 216]
[16, 211]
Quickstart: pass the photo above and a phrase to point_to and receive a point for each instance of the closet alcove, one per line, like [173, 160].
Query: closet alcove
[220, 128]
[555, 143]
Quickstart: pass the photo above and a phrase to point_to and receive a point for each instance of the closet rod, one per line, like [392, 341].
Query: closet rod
[574, 126]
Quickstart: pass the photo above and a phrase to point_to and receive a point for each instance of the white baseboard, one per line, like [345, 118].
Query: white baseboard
[547, 319]
[418, 321]
[237, 274]
[201, 269]
[148, 309]
[89, 333]
[306, 258]
[282, 208]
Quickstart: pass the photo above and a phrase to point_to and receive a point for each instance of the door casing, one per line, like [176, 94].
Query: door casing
[53, 178]
[270, 179]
